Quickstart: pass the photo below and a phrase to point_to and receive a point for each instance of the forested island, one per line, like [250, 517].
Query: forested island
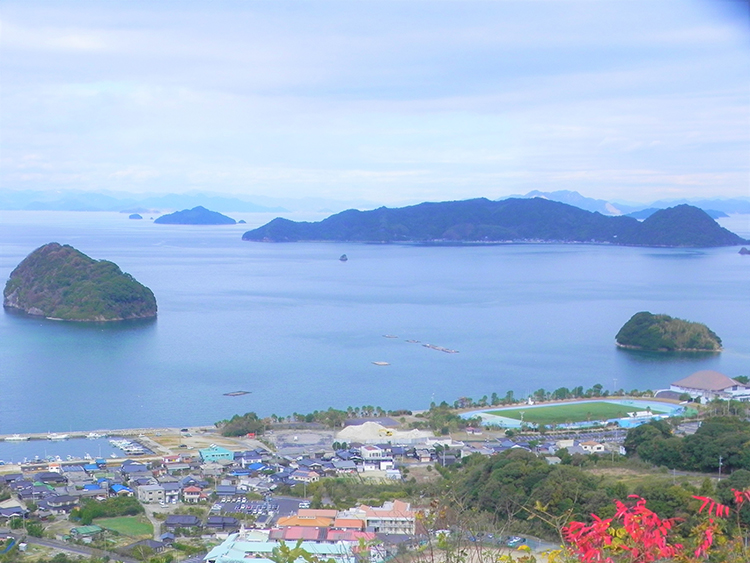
[195, 216]
[511, 220]
[59, 282]
[662, 333]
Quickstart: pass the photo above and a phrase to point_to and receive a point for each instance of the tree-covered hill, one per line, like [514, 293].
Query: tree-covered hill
[482, 220]
[58, 281]
[646, 331]
[195, 216]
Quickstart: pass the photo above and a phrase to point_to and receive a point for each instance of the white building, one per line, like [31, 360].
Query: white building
[708, 384]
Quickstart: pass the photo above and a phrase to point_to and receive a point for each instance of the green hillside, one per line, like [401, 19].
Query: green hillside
[58, 281]
[645, 331]
[510, 220]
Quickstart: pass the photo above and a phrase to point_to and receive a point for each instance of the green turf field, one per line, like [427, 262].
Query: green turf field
[127, 525]
[571, 412]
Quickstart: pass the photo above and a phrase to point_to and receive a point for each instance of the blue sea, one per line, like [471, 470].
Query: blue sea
[300, 329]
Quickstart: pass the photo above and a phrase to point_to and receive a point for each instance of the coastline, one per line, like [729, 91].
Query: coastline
[664, 350]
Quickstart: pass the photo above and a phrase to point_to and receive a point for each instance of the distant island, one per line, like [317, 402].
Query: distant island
[135, 216]
[195, 216]
[59, 282]
[662, 333]
[509, 220]
[744, 251]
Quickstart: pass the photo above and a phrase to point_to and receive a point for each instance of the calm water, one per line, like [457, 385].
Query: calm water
[300, 329]
[16, 452]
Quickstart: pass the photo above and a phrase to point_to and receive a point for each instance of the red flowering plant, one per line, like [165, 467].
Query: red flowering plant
[636, 534]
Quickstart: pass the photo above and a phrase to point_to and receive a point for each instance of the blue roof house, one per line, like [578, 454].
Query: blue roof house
[215, 453]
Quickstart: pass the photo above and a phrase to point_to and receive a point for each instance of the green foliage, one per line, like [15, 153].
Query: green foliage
[443, 419]
[510, 484]
[285, 554]
[34, 529]
[718, 437]
[345, 492]
[187, 548]
[663, 333]
[66, 284]
[111, 507]
[248, 423]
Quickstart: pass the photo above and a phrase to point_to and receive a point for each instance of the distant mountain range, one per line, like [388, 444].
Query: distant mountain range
[509, 220]
[125, 203]
[714, 207]
[76, 200]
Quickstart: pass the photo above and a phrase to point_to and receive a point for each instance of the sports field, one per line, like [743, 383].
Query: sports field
[572, 412]
[127, 525]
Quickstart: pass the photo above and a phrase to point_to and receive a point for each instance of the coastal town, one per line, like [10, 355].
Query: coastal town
[192, 492]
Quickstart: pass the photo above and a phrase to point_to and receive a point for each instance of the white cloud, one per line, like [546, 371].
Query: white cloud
[401, 100]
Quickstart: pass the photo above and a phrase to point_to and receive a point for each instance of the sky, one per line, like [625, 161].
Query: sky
[384, 101]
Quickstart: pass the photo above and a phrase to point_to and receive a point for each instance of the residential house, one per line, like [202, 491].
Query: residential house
[175, 521]
[192, 494]
[151, 493]
[215, 453]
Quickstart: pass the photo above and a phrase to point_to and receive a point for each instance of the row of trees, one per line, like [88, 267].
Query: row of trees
[439, 417]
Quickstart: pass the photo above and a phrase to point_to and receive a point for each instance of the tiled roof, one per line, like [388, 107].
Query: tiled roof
[319, 522]
[707, 380]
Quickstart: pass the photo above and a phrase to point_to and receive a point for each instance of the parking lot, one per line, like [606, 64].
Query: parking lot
[266, 511]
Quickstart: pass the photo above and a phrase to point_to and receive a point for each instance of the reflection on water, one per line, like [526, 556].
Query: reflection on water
[649, 357]
[114, 326]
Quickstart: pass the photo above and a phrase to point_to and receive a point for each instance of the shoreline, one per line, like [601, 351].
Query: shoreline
[83, 434]
[666, 351]
[205, 428]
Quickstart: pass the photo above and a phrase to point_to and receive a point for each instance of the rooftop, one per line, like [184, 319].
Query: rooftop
[707, 380]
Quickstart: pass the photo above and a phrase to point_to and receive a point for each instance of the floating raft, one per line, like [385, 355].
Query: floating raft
[237, 393]
[440, 349]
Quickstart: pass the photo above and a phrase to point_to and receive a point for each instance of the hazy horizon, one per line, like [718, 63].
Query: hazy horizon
[384, 102]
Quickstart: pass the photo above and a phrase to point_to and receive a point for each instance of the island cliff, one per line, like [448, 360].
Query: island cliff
[509, 220]
[59, 282]
[662, 333]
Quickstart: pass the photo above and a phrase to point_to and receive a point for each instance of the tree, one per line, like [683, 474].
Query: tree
[248, 423]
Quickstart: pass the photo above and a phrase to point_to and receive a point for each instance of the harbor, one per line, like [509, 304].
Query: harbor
[23, 449]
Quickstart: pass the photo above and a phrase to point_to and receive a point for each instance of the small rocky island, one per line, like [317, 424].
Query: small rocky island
[195, 216]
[662, 333]
[59, 282]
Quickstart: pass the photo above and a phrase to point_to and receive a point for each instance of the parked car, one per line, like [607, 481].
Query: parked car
[515, 541]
